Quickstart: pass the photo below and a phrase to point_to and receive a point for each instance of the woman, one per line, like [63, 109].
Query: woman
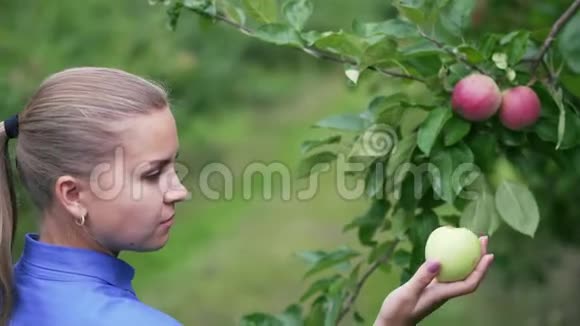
[96, 152]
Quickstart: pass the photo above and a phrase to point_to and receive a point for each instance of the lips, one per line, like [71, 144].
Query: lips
[168, 220]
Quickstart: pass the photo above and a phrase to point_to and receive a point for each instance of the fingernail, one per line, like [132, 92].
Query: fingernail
[433, 267]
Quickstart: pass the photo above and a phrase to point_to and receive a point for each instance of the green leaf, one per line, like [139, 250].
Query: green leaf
[401, 154]
[413, 10]
[311, 37]
[317, 313]
[569, 45]
[334, 305]
[441, 177]
[455, 16]
[452, 220]
[489, 44]
[173, 13]
[410, 195]
[447, 162]
[309, 145]
[260, 319]
[540, 34]
[297, 12]
[381, 250]
[311, 257]
[511, 137]
[472, 54]
[517, 207]
[379, 104]
[358, 318]
[411, 120]
[547, 129]
[395, 28]
[431, 127]
[480, 215]
[345, 122]
[263, 11]
[505, 170]
[341, 43]
[571, 82]
[321, 285]
[402, 258]
[515, 45]
[200, 5]
[420, 230]
[420, 48]
[427, 66]
[279, 34]
[292, 316]
[375, 180]
[323, 261]
[484, 146]
[401, 223]
[353, 277]
[315, 163]
[234, 13]
[380, 52]
[456, 72]
[559, 100]
[557, 124]
[461, 154]
[369, 222]
[455, 130]
[387, 109]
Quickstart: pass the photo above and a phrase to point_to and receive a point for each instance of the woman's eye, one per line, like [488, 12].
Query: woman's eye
[153, 176]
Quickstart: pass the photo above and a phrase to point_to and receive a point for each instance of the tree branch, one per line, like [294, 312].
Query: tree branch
[556, 28]
[315, 52]
[450, 52]
[311, 50]
[354, 294]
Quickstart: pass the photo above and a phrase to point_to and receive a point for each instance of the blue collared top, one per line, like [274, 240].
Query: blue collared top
[65, 286]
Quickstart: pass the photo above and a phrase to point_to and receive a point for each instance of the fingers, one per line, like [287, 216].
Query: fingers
[484, 240]
[423, 277]
[437, 293]
[470, 284]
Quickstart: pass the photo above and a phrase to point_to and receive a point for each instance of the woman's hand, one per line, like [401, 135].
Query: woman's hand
[422, 294]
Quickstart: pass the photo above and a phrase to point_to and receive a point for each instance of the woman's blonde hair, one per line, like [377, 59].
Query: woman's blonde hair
[64, 129]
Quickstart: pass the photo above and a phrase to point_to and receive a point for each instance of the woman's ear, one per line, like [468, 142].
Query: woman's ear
[68, 193]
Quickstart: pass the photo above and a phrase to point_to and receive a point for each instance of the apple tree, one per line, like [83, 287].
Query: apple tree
[481, 125]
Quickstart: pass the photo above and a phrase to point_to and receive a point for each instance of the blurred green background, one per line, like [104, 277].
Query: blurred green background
[239, 101]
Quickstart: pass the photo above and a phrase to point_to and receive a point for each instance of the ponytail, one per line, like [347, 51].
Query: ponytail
[8, 218]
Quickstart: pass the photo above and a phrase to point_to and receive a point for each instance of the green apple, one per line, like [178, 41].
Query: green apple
[457, 249]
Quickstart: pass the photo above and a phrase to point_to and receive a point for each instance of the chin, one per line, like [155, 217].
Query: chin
[151, 245]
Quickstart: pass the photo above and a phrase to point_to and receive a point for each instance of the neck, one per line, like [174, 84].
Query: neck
[70, 235]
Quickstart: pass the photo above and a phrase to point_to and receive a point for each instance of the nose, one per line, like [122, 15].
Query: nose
[176, 191]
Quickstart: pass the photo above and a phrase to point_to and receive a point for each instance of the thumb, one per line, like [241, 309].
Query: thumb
[423, 277]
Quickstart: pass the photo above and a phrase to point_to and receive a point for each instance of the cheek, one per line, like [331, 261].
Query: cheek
[141, 202]
[129, 219]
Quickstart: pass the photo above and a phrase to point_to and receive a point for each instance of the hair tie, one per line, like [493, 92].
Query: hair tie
[11, 126]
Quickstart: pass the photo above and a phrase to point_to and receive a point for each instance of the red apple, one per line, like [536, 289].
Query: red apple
[520, 108]
[476, 97]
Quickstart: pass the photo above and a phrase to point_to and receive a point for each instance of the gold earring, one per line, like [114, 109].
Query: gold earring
[80, 221]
